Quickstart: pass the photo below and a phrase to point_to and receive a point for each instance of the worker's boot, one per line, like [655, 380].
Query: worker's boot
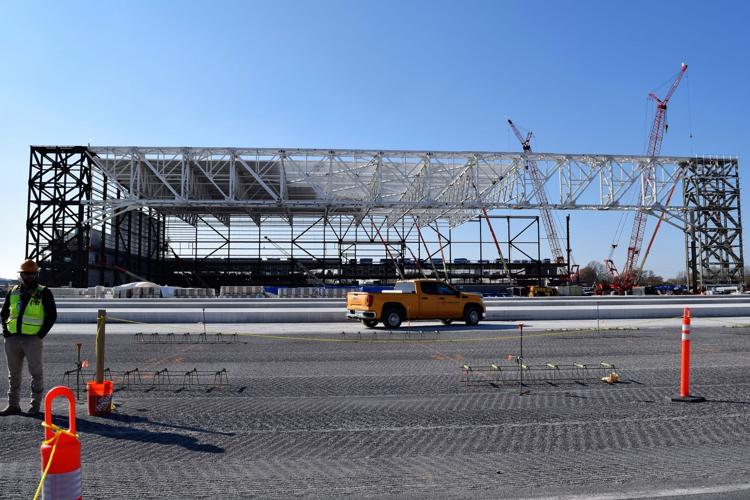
[10, 410]
[33, 411]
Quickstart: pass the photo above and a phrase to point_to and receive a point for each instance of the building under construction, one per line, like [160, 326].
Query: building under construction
[236, 216]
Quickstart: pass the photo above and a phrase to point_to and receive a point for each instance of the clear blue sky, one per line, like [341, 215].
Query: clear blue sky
[379, 74]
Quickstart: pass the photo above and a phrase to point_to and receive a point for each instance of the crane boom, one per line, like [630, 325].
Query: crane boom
[494, 237]
[541, 194]
[656, 137]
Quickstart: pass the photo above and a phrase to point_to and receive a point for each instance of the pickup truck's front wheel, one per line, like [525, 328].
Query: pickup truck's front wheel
[369, 323]
[472, 316]
[392, 318]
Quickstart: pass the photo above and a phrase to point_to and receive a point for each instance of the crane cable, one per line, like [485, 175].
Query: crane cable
[690, 115]
[624, 216]
[679, 177]
[658, 224]
[639, 269]
[647, 112]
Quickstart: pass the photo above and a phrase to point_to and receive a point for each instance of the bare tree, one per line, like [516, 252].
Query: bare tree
[680, 279]
[593, 272]
[649, 278]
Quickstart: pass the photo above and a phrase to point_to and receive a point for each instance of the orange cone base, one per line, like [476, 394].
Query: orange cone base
[688, 399]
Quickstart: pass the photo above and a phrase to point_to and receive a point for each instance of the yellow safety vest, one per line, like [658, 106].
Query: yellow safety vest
[33, 312]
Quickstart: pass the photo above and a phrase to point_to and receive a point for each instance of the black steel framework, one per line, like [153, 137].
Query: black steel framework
[713, 242]
[61, 237]
[56, 231]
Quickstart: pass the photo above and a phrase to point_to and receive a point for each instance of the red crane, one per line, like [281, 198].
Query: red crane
[541, 194]
[628, 277]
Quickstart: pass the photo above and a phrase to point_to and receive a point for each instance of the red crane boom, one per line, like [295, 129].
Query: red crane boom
[658, 127]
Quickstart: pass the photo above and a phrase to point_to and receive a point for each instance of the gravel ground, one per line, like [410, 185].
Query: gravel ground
[316, 413]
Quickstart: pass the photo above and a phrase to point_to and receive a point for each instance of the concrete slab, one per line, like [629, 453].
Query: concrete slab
[313, 413]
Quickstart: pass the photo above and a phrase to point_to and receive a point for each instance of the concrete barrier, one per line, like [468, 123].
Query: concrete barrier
[615, 311]
[241, 291]
[224, 302]
[333, 310]
[259, 315]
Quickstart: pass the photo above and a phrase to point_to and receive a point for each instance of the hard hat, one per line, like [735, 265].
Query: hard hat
[29, 266]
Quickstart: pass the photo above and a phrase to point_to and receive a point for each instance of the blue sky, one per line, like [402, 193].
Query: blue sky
[380, 74]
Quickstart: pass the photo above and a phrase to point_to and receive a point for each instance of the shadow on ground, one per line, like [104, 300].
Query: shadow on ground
[104, 428]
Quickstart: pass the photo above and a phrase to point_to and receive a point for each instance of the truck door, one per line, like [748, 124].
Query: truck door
[450, 304]
[409, 298]
[429, 300]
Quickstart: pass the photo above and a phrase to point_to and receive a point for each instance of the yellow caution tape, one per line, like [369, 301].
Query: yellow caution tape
[114, 318]
[416, 341]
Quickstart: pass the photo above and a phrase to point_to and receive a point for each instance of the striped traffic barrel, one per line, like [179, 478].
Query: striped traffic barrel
[61, 452]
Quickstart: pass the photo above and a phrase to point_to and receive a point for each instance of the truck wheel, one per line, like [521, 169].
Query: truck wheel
[369, 323]
[446, 321]
[392, 318]
[472, 316]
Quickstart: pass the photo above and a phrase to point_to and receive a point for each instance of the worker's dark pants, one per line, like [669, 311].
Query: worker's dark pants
[17, 347]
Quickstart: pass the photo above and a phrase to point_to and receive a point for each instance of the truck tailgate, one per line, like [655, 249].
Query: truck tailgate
[356, 299]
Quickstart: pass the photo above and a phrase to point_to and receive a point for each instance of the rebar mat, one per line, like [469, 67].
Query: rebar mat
[185, 338]
[163, 378]
[516, 372]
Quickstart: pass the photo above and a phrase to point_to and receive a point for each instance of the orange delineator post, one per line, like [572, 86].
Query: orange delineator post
[685, 362]
[685, 359]
[61, 452]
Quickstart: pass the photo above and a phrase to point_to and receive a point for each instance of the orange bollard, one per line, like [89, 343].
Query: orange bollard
[685, 363]
[61, 452]
[685, 358]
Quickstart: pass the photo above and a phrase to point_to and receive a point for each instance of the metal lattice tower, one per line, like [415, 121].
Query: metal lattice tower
[713, 241]
[57, 232]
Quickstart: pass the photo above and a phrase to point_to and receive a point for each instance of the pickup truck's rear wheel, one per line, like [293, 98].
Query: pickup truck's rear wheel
[392, 318]
[369, 323]
[472, 315]
[446, 321]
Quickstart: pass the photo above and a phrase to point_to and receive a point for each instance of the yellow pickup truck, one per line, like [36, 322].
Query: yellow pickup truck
[412, 300]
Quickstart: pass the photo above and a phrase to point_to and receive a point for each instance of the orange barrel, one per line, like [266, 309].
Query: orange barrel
[63, 481]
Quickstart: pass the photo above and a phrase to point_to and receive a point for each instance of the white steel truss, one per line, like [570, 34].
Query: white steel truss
[187, 182]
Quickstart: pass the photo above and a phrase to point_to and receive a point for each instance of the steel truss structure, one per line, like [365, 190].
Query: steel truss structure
[380, 198]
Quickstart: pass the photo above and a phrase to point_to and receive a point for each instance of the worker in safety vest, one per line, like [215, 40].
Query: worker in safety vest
[28, 315]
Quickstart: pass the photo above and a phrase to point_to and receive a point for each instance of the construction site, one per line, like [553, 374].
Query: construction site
[225, 281]
[213, 217]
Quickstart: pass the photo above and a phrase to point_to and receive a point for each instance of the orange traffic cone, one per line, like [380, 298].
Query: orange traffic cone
[61, 452]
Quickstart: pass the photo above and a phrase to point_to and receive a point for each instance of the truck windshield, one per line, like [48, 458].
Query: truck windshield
[405, 287]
